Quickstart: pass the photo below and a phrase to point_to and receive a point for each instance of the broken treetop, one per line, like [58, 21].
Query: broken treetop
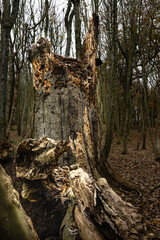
[82, 73]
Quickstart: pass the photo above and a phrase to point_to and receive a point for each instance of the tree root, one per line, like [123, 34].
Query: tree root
[116, 181]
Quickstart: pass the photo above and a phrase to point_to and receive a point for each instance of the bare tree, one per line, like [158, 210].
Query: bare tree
[68, 25]
[7, 21]
[76, 4]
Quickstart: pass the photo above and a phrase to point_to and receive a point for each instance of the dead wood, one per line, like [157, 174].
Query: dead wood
[98, 205]
[71, 85]
[85, 206]
[34, 157]
[94, 210]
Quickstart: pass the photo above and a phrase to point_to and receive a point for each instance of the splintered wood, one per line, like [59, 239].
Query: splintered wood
[98, 211]
[96, 200]
[66, 110]
[82, 73]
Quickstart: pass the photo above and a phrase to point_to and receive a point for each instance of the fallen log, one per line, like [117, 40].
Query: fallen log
[14, 223]
[99, 209]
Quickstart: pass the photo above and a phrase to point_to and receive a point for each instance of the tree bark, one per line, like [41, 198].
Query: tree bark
[65, 98]
[7, 22]
[5, 33]
[68, 26]
[77, 28]
[14, 223]
[15, 95]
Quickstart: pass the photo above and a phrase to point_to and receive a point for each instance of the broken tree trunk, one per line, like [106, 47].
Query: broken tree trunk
[81, 206]
[65, 98]
[66, 111]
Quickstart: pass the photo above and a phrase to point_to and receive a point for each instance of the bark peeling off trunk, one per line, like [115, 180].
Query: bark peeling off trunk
[87, 230]
[63, 112]
[14, 223]
[69, 87]
[121, 216]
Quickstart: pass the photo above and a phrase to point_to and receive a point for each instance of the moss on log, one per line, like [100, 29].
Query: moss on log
[14, 223]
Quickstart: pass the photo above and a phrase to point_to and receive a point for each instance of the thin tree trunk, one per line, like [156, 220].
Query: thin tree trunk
[13, 104]
[144, 123]
[68, 26]
[47, 17]
[157, 156]
[77, 28]
[5, 34]
[7, 21]
[10, 88]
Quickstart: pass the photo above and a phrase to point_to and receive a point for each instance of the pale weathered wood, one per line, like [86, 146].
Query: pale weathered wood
[65, 110]
[97, 199]
[34, 158]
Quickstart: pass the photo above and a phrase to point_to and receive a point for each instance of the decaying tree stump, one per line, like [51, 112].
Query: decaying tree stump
[63, 171]
[95, 211]
[65, 98]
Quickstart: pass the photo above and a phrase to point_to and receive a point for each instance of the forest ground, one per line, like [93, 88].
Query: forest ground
[140, 168]
[137, 166]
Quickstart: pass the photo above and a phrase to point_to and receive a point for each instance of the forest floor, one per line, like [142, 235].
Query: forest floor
[137, 166]
[140, 168]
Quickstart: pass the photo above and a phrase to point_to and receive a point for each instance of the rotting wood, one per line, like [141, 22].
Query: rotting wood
[65, 98]
[98, 201]
[43, 154]
[95, 210]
